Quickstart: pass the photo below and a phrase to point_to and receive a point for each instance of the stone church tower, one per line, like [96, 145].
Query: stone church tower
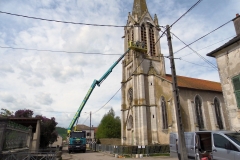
[148, 110]
[138, 100]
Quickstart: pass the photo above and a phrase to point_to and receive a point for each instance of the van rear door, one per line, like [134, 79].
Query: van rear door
[173, 144]
[190, 144]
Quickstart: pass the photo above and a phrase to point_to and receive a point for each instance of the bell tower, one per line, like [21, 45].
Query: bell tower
[139, 105]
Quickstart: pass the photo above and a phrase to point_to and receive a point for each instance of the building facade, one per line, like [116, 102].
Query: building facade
[148, 110]
[228, 61]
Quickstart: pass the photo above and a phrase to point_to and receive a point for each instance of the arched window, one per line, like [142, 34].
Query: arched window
[143, 34]
[130, 123]
[164, 113]
[152, 40]
[218, 113]
[199, 115]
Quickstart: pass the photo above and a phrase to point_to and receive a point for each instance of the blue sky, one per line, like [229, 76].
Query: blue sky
[54, 84]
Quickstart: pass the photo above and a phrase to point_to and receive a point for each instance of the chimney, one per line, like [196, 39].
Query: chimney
[236, 22]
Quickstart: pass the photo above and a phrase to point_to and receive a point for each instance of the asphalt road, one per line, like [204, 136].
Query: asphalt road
[89, 155]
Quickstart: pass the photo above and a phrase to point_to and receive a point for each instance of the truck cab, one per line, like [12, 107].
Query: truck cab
[77, 141]
[209, 145]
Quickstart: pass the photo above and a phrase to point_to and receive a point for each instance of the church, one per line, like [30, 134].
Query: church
[148, 112]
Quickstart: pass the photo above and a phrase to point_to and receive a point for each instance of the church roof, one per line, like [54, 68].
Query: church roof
[139, 7]
[194, 83]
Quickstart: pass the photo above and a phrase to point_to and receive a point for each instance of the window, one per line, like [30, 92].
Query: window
[218, 113]
[130, 123]
[222, 142]
[152, 40]
[199, 115]
[164, 113]
[130, 95]
[236, 84]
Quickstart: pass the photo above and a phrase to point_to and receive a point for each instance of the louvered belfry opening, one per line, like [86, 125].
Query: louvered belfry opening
[132, 35]
[164, 113]
[143, 34]
[198, 108]
[218, 113]
[152, 40]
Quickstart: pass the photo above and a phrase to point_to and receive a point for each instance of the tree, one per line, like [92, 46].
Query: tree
[24, 113]
[110, 126]
[48, 133]
[6, 113]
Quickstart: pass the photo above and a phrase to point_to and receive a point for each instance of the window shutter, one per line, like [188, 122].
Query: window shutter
[236, 84]
[238, 98]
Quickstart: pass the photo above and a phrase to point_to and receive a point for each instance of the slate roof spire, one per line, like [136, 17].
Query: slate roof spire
[139, 7]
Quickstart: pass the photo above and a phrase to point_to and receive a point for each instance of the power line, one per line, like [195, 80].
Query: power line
[203, 36]
[193, 63]
[186, 12]
[66, 22]
[211, 64]
[42, 50]
[208, 46]
[180, 18]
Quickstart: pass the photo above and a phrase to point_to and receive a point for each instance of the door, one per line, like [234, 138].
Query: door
[223, 149]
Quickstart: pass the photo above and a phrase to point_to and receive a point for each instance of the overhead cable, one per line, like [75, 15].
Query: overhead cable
[208, 46]
[203, 36]
[186, 12]
[42, 50]
[211, 64]
[66, 22]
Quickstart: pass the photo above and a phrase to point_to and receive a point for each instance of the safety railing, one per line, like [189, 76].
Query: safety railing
[29, 156]
[130, 150]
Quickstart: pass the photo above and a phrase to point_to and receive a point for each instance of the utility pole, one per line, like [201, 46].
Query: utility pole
[181, 138]
[90, 125]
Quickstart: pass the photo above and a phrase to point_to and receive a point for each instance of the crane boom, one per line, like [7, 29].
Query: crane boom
[95, 82]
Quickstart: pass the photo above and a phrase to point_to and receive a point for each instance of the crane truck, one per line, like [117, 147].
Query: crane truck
[77, 139]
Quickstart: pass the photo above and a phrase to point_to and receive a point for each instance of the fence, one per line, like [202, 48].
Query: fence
[130, 150]
[13, 136]
[29, 156]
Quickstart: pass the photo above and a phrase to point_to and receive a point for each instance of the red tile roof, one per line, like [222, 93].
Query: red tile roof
[194, 83]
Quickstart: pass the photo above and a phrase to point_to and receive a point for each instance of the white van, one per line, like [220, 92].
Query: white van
[209, 145]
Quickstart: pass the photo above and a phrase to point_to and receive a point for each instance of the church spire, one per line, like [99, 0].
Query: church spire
[139, 7]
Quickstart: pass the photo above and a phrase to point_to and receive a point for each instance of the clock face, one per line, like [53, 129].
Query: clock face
[130, 95]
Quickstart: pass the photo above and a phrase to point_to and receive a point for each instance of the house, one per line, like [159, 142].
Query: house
[228, 61]
[90, 132]
[148, 112]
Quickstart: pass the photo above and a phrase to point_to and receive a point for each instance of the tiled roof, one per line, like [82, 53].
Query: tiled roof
[194, 83]
[84, 127]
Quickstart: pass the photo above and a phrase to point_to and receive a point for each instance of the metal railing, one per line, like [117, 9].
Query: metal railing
[129, 150]
[29, 156]
[14, 136]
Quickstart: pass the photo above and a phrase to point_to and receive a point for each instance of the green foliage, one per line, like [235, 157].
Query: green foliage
[62, 132]
[110, 126]
[6, 113]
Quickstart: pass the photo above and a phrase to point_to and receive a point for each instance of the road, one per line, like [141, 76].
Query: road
[89, 155]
